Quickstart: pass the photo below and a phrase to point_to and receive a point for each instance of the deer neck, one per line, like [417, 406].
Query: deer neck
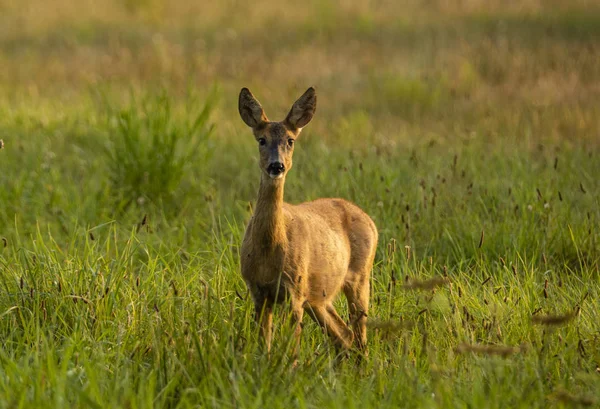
[269, 223]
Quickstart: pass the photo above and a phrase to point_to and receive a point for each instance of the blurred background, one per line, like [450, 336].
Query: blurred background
[483, 93]
[439, 66]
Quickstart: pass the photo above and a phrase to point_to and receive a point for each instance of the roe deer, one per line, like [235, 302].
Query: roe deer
[305, 253]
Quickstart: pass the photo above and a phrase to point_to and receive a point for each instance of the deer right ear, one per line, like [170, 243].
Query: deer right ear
[250, 109]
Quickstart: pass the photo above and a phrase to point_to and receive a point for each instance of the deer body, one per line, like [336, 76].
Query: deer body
[305, 253]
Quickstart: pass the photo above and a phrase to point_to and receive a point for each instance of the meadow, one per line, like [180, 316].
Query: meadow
[468, 130]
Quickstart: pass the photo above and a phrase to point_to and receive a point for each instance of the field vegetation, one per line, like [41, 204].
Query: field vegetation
[468, 130]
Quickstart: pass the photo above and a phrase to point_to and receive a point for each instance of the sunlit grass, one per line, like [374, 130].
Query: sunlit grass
[468, 133]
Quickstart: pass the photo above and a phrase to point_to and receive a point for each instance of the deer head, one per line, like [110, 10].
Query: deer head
[276, 139]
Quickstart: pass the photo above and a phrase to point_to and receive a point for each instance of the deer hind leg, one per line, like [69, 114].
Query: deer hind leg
[297, 314]
[332, 324]
[357, 294]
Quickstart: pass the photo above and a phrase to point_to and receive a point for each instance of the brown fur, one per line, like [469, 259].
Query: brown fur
[306, 253]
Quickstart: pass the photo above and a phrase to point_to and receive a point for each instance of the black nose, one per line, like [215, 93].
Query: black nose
[276, 168]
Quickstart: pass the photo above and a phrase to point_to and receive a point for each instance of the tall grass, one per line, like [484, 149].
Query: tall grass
[150, 146]
[467, 131]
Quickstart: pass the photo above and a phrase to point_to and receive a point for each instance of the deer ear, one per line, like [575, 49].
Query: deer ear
[250, 109]
[303, 110]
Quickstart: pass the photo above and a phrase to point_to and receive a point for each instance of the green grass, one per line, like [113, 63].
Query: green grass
[469, 134]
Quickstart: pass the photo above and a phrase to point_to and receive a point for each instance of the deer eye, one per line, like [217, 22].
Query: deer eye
[290, 142]
[262, 141]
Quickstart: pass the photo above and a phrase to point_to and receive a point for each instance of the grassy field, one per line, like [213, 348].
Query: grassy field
[468, 130]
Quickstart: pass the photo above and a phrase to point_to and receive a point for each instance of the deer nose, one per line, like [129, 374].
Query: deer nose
[276, 168]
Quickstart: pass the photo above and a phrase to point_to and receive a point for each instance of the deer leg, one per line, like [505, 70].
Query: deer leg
[346, 332]
[333, 325]
[297, 314]
[357, 294]
[264, 317]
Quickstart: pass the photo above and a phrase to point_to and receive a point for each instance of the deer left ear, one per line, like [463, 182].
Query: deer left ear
[303, 110]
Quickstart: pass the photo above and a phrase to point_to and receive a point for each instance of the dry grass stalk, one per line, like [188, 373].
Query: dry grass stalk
[500, 350]
[571, 399]
[553, 320]
[389, 325]
[426, 284]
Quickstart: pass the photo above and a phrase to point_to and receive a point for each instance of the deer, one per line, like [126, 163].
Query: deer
[307, 253]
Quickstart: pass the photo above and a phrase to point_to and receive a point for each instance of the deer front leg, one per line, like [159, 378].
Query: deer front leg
[263, 314]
